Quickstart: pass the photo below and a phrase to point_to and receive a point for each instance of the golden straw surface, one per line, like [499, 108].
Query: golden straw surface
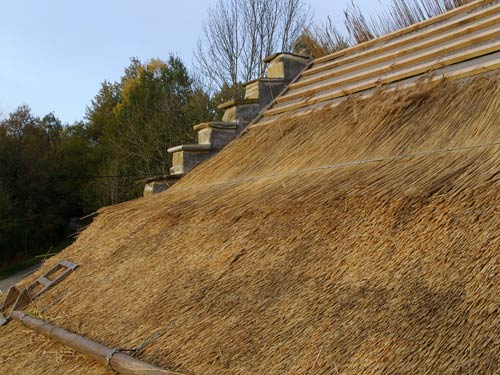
[362, 239]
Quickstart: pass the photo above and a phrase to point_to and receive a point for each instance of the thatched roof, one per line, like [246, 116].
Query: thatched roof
[362, 239]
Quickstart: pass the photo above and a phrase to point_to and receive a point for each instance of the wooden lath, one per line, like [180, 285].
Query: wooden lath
[462, 35]
[478, 69]
[433, 53]
[412, 28]
[381, 80]
[376, 56]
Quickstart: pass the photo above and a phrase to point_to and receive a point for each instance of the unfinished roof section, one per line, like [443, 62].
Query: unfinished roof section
[458, 44]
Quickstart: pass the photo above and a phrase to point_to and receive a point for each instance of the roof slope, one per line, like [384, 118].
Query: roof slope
[361, 239]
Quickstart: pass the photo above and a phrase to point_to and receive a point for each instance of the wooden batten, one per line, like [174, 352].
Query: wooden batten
[433, 53]
[452, 44]
[375, 81]
[463, 73]
[377, 56]
[396, 34]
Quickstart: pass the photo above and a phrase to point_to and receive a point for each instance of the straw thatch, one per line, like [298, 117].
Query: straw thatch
[363, 239]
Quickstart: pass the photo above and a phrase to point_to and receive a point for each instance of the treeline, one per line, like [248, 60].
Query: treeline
[35, 197]
[50, 173]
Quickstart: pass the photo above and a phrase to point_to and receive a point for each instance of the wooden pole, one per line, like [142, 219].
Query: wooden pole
[118, 361]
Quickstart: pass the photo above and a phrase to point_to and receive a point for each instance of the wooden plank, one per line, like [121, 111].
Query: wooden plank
[61, 276]
[404, 63]
[44, 281]
[399, 43]
[445, 16]
[22, 300]
[68, 264]
[120, 362]
[361, 63]
[413, 71]
[458, 74]
[11, 297]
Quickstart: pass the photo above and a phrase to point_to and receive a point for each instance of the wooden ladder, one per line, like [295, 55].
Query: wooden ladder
[18, 299]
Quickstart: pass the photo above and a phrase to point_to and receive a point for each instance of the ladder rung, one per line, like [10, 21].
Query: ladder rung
[44, 281]
[68, 264]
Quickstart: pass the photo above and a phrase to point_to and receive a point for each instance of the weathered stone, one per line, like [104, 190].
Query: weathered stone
[265, 90]
[241, 113]
[286, 66]
[186, 157]
[217, 134]
[238, 113]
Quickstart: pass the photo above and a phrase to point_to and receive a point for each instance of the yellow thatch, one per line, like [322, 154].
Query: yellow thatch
[362, 239]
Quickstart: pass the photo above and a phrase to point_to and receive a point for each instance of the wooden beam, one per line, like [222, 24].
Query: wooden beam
[361, 63]
[378, 81]
[445, 16]
[119, 361]
[395, 65]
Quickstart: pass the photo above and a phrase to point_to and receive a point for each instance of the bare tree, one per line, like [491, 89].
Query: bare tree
[239, 34]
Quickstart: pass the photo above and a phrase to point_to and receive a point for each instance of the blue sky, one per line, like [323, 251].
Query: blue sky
[55, 53]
